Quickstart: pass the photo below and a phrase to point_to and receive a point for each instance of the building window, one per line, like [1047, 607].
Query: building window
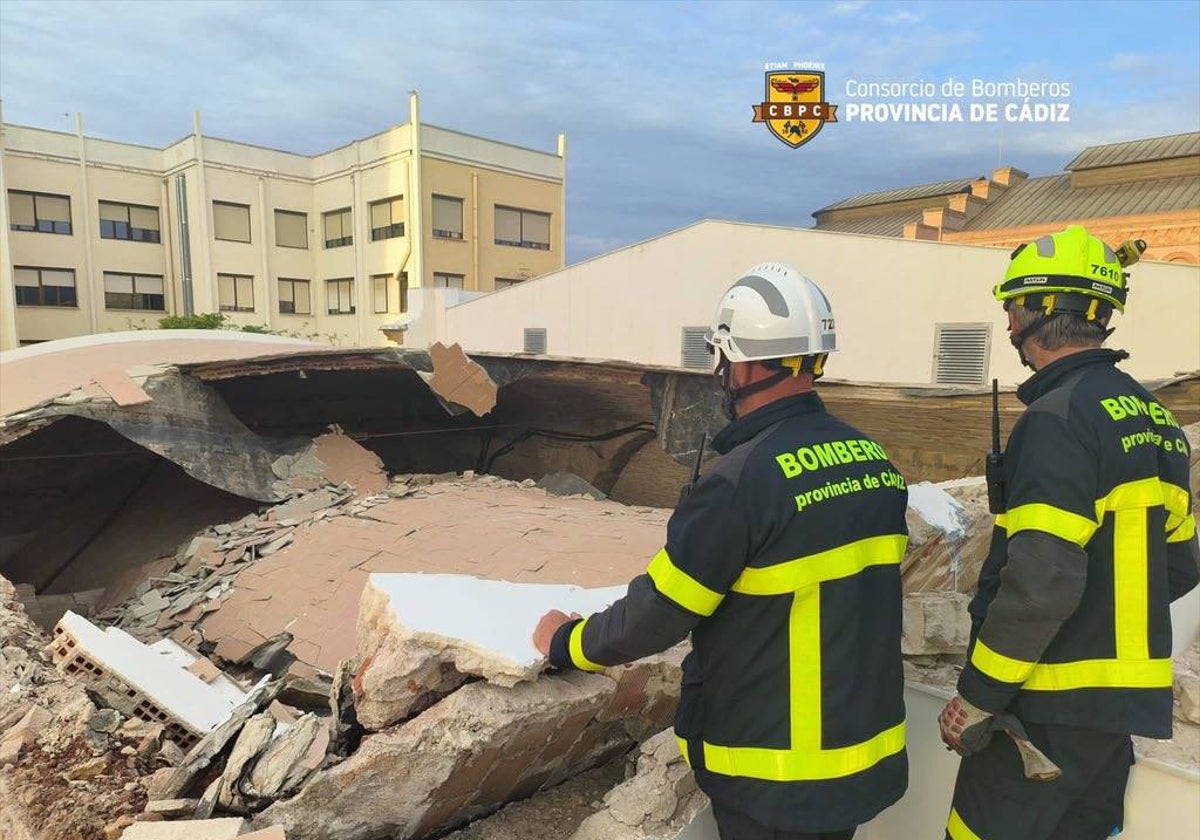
[294, 298]
[694, 349]
[379, 293]
[134, 291]
[291, 229]
[339, 228]
[447, 217]
[44, 286]
[39, 212]
[522, 228]
[506, 282]
[339, 296]
[231, 221]
[961, 353]
[235, 293]
[535, 340]
[403, 292]
[129, 221]
[447, 281]
[387, 219]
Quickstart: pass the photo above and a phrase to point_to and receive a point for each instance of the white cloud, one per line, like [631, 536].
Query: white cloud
[848, 7]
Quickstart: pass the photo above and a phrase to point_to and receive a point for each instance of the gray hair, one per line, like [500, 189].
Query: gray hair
[1065, 329]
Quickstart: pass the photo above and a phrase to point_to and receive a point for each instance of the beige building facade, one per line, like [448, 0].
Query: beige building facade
[909, 312]
[101, 236]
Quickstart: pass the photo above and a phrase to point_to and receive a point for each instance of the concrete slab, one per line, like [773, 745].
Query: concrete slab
[220, 829]
[118, 385]
[488, 624]
[346, 461]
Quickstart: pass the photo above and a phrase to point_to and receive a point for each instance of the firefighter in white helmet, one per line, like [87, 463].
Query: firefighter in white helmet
[783, 563]
[778, 317]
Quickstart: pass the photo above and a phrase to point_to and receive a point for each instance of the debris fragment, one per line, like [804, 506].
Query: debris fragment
[152, 683]
[569, 484]
[460, 381]
[348, 462]
[656, 802]
[411, 626]
[225, 828]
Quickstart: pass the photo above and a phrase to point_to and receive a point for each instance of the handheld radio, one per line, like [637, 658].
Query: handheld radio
[994, 470]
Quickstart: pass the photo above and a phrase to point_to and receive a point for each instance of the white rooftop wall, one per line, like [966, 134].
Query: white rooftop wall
[887, 296]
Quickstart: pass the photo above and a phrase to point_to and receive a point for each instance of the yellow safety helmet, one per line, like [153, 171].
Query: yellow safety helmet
[1069, 271]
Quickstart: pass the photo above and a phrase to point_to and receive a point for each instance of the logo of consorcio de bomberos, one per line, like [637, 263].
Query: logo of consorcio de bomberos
[795, 108]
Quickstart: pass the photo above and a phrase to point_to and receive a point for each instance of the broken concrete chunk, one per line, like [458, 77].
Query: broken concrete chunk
[278, 771]
[346, 461]
[935, 623]
[225, 828]
[1187, 684]
[301, 507]
[458, 380]
[347, 731]
[171, 808]
[474, 750]
[105, 720]
[29, 726]
[657, 802]
[87, 770]
[213, 744]
[569, 484]
[251, 741]
[418, 634]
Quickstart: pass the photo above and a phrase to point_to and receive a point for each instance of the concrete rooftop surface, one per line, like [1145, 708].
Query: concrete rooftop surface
[485, 529]
[40, 372]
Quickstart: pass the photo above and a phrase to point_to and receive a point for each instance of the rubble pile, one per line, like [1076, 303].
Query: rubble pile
[656, 802]
[182, 589]
[352, 722]
[67, 769]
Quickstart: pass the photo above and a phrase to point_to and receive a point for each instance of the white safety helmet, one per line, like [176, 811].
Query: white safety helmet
[773, 312]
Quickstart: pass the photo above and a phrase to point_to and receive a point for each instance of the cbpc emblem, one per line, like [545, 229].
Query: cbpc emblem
[795, 106]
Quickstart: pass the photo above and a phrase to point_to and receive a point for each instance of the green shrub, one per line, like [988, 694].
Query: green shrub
[207, 321]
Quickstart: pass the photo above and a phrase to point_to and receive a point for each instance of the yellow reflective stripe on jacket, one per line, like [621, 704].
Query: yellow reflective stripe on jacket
[680, 587]
[803, 765]
[840, 562]
[1101, 673]
[959, 830]
[575, 646]
[1064, 524]
[1066, 676]
[683, 750]
[1132, 668]
[1146, 493]
[1131, 584]
[1186, 531]
[805, 760]
[998, 666]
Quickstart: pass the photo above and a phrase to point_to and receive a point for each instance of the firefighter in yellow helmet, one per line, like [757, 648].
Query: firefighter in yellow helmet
[1094, 538]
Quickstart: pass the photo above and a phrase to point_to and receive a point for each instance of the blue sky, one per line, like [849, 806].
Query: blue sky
[655, 97]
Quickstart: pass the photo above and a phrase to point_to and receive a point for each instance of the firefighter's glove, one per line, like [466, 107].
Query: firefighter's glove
[966, 729]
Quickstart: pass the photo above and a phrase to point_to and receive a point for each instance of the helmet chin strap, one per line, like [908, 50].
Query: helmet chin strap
[732, 395]
[1018, 338]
